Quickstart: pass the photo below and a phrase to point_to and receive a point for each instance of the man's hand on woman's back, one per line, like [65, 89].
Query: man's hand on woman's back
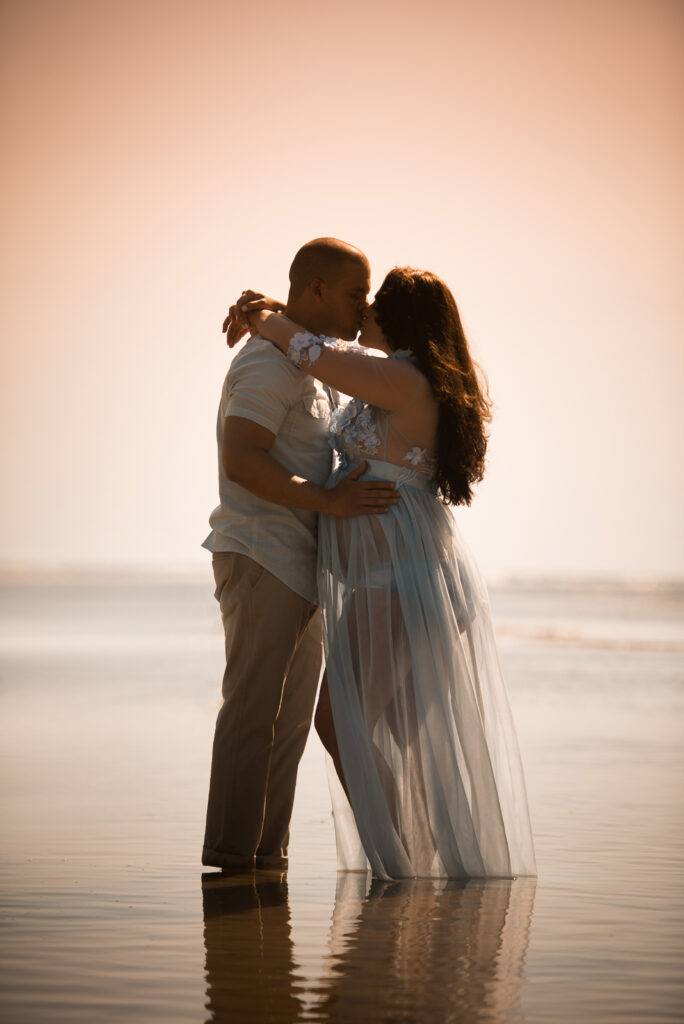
[354, 497]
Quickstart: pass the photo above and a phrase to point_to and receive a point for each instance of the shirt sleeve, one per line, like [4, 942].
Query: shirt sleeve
[261, 386]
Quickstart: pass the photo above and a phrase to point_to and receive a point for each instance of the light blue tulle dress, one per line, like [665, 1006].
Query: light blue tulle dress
[421, 713]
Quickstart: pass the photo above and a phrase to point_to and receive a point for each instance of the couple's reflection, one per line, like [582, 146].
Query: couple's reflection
[413, 951]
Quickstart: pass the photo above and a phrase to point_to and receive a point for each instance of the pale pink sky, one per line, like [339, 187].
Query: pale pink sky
[161, 156]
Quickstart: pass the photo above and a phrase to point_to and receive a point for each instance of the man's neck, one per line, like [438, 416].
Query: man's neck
[300, 314]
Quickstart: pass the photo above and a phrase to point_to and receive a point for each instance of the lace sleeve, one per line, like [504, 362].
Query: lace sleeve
[305, 348]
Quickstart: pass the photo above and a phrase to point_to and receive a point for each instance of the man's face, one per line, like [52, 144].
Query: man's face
[344, 301]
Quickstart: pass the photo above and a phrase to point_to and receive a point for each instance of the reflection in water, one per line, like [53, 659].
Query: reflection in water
[97, 928]
[411, 951]
[427, 950]
[249, 963]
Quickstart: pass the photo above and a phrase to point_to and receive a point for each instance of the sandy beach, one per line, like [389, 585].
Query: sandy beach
[110, 686]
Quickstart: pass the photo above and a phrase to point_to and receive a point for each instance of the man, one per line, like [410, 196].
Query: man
[274, 458]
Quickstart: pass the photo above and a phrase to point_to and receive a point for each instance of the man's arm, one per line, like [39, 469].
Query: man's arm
[247, 461]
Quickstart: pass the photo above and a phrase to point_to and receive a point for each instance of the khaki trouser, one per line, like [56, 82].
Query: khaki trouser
[273, 664]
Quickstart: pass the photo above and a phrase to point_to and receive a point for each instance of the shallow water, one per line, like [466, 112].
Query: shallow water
[109, 692]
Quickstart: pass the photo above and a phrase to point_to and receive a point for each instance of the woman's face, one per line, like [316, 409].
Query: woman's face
[371, 335]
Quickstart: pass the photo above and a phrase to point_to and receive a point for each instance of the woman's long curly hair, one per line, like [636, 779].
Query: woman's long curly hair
[416, 310]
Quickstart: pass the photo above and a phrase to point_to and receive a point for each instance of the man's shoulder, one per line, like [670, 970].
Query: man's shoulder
[259, 354]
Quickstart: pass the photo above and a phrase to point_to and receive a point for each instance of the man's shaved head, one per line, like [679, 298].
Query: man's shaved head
[329, 285]
[324, 258]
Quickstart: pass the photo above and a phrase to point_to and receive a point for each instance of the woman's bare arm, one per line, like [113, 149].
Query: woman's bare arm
[386, 383]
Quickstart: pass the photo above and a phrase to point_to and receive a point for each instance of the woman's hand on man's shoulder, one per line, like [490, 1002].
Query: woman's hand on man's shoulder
[237, 324]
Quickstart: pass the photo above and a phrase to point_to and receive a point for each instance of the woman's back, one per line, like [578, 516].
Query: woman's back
[406, 436]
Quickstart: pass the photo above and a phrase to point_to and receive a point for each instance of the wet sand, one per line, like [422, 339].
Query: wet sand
[109, 692]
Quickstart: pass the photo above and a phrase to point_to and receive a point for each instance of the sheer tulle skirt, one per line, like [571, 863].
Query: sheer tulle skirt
[422, 717]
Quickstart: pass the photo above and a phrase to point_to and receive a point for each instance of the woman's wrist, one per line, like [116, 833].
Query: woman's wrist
[278, 329]
[258, 320]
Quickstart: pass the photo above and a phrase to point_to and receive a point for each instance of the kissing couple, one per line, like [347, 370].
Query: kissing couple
[334, 536]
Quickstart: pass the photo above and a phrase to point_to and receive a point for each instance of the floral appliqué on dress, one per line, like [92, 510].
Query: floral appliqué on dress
[354, 430]
[354, 425]
[306, 347]
[418, 457]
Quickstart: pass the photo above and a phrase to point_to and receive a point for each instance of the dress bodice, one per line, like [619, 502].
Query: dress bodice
[370, 433]
[404, 437]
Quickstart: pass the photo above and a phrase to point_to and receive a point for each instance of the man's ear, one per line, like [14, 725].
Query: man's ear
[316, 287]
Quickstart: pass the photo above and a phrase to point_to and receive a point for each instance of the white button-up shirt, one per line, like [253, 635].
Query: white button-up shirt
[264, 386]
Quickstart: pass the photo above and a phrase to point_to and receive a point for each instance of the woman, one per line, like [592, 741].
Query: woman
[423, 739]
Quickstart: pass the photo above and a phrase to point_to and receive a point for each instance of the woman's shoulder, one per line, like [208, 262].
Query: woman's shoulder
[422, 394]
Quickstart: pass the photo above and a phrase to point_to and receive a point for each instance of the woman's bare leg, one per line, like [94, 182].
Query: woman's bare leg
[325, 727]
